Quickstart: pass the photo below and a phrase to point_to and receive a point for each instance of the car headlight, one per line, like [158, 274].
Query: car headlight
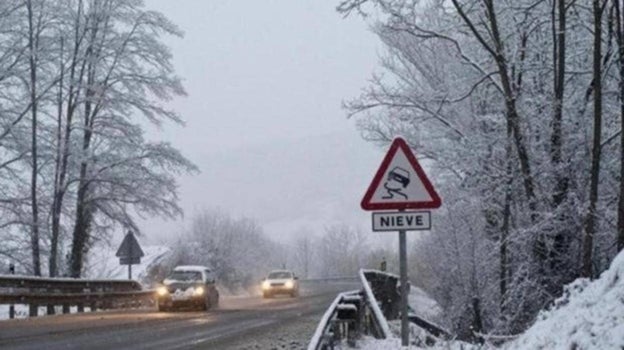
[289, 284]
[162, 291]
[198, 291]
[266, 285]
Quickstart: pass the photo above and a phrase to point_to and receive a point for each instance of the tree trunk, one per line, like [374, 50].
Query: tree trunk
[56, 200]
[81, 230]
[590, 222]
[620, 41]
[504, 259]
[84, 212]
[561, 180]
[64, 147]
[83, 209]
[32, 46]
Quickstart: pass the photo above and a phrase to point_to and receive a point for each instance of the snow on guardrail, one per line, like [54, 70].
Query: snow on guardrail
[374, 305]
[324, 324]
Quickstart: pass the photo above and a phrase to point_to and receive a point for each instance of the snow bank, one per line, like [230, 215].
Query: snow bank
[423, 305]
[590, 315]
[369, 343]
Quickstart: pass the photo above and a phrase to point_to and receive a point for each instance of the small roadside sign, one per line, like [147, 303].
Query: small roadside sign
[129, 252]
[400, 183]
[405, 220]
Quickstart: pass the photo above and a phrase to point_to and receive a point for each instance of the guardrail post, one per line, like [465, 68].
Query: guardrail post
[33, 310]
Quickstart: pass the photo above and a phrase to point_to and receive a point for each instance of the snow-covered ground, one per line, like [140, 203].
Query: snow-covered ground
[590, 315]
[424, 306]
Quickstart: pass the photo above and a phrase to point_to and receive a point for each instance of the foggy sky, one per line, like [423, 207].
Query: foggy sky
[265, 80]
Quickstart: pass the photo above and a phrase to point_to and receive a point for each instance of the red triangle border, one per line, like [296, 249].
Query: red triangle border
[397, 144]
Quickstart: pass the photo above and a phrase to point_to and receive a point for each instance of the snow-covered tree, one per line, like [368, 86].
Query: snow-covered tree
[82, 79]
[498, 99]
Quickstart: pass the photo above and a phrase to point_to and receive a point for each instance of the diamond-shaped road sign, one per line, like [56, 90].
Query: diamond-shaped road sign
[129, 251]
[400, 183]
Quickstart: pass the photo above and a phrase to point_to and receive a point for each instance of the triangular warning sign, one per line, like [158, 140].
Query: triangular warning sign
[400, 183]
[130, 247]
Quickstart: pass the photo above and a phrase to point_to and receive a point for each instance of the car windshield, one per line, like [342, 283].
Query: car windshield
[185, 276]
[279, 274]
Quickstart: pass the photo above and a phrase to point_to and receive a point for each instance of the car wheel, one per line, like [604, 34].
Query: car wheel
[162, 308]
[207, 304]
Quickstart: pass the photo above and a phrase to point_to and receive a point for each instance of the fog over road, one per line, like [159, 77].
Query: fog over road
[238, 320]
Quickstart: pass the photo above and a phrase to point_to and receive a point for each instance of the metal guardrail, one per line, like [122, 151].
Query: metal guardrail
[17, 281]
[430, 327]
[378, 302]
[374, 305]
[333, 326]
[66, 292]
[351, 315]
[329, 279]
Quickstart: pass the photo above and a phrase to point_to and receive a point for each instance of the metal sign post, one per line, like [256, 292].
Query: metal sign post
[399, 184]
[404, 290]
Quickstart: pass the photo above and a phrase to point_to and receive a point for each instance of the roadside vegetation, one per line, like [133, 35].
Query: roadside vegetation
[516, 107]
[81, 81]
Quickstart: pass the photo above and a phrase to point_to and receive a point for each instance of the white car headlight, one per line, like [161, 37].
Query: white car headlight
[266, 285]
[162, 291]
[289, 284]
[198, 291]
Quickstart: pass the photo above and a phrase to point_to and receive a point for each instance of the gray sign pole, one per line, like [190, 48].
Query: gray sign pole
[404, 290]
[130, 260]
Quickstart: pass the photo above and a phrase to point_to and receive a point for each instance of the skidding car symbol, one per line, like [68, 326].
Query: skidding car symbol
[398, 179]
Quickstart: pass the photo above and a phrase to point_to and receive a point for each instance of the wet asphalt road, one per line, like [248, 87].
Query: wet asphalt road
[235, 319]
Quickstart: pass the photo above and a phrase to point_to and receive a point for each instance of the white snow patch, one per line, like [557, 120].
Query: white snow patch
[423, 305]
[590, 315]
[192, 268]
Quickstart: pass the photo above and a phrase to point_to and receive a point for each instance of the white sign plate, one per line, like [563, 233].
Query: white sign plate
[404, 220]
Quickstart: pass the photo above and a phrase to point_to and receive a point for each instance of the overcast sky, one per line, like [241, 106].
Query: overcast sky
[265, 80]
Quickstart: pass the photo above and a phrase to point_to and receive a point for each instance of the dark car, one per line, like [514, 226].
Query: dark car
[188, 286]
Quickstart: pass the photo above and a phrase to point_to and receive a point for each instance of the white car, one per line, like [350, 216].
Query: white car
[280, 282]
[192, 286]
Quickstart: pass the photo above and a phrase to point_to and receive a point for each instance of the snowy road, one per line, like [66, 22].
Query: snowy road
[238, 323]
